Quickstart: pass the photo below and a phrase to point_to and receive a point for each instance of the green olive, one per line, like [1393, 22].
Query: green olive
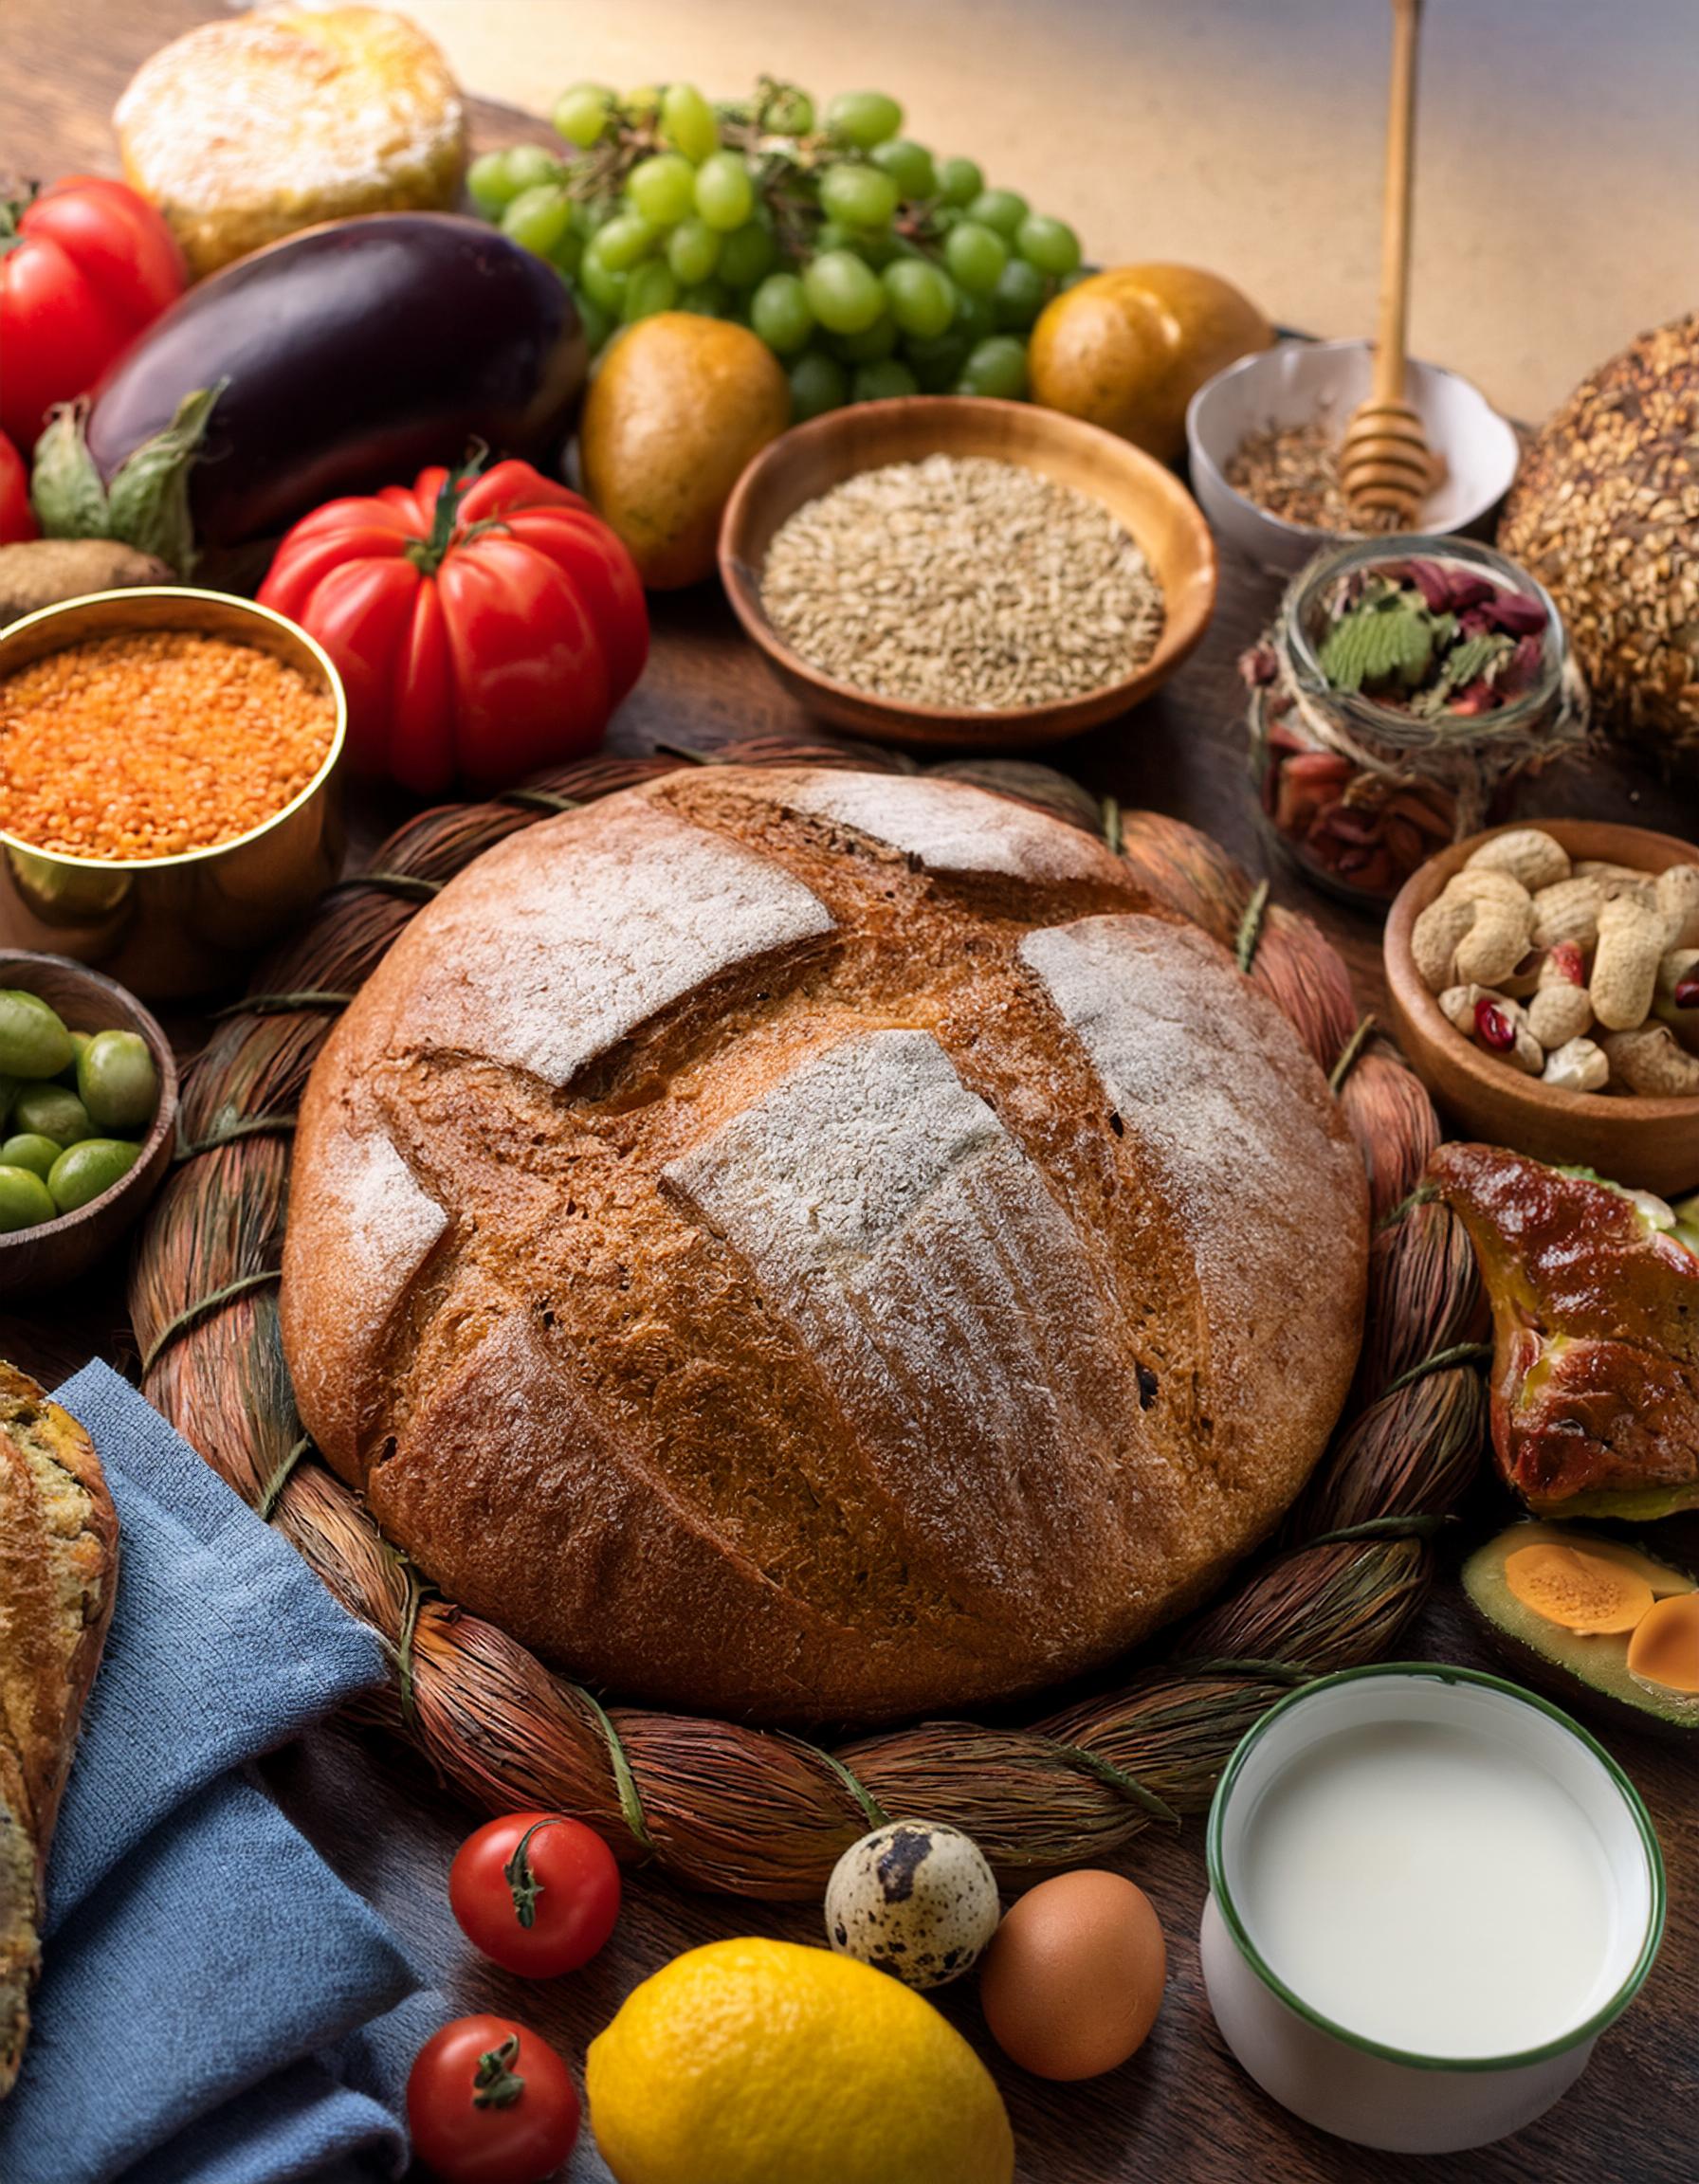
[30, 1151]
[86, 1172]
[116, 1081]
[67, 1076]
[25, 1200]
[33, 1043]
[50, 1111]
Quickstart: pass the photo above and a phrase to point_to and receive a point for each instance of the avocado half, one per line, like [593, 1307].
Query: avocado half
[1587, 1672]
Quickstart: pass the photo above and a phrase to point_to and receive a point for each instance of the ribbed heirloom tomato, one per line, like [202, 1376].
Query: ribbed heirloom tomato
[483, 625]
[83, 268]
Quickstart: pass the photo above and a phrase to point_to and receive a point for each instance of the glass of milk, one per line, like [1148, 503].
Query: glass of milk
[1429, 1892]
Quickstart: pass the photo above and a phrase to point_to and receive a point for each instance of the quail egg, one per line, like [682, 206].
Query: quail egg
[914, 1900]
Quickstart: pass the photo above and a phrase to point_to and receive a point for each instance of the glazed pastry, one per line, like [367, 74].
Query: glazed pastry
[1595, 1298]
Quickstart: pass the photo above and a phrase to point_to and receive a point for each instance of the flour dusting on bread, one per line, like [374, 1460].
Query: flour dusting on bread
[551, 949]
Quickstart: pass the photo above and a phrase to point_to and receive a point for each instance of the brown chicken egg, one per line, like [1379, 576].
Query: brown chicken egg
[1072, 1983]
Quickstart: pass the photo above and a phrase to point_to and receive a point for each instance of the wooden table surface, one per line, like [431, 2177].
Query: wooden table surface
[1181, 2110]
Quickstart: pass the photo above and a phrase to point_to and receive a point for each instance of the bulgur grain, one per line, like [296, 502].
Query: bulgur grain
[965, 582]
[155, 743]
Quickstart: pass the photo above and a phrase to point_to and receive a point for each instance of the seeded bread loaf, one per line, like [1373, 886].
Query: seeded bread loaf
[818, 1245]
[58, 1576]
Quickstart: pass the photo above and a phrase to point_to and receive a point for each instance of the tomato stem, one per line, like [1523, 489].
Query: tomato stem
[12, 212]
[521, 1875]
[429, 554]
[494, 2082]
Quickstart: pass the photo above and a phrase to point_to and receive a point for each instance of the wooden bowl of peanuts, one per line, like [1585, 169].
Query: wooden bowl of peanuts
[952, 573]
[1545, 985]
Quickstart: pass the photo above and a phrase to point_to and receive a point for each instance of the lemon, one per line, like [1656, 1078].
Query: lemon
[1128, 348]
[758, 2062]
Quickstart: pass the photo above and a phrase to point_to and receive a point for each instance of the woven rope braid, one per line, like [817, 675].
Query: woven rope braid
[761, 1812]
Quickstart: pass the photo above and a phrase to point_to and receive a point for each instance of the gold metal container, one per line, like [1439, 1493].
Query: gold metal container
[170, 927]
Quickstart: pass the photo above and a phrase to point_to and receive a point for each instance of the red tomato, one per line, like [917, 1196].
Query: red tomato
[536, 1892]
[83, 268]
[488, 2103]
[16, 521]
[483, 626]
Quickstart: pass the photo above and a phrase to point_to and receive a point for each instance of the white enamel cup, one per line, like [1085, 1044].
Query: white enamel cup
[1356, 2087]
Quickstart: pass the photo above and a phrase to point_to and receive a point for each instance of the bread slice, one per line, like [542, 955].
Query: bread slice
[58, 1576]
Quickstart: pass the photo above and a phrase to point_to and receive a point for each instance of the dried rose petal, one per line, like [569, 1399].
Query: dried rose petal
[1464, 589]
[1478, 697]
[1431, 580]
[1472, 622]
[1522, 670]
[1493, 1028]
[1515, 614]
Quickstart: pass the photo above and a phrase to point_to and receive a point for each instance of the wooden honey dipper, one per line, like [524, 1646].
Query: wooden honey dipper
[1385, 465]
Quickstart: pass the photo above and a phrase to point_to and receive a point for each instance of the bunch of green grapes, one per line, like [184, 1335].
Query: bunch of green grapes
[869, 267]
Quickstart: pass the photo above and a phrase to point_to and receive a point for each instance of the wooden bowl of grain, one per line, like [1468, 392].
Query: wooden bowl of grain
[962, 609]
[1649, 1143]
[55, 1252]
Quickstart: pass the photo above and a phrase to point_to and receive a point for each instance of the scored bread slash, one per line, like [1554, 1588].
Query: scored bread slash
[58, 1579]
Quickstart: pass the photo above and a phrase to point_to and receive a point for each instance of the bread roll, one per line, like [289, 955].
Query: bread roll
[58, 1576]
[244, 131]
[814, 1245]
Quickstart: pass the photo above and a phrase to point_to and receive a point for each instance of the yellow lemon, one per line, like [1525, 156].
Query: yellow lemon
[1128, 349]
[757, 2062]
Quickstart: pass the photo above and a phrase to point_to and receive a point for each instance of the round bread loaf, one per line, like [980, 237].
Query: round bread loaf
[818, 1245]
[243, 132]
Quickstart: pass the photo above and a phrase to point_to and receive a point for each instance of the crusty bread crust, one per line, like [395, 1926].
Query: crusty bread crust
[816, 1244]
[244, 131]
[58, 1579]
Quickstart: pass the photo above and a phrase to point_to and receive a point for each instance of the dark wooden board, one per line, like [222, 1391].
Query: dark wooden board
[1181, 2110]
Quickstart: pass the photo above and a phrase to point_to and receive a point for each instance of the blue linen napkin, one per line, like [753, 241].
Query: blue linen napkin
[216, 2007]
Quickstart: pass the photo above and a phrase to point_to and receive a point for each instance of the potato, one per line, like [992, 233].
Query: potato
[677, 409]
[44, 571]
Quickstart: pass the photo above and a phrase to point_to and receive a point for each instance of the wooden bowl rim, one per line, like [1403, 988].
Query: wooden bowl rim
[1182, 630]
[14, 963]
[1458, 1055]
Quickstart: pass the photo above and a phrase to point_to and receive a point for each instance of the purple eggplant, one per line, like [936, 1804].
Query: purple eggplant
[351, 356]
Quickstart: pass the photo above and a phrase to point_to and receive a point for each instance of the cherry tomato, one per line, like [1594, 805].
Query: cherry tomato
[537, 1892]
[83, 268]
[488, 2103]
[16, 521]
[483, 626]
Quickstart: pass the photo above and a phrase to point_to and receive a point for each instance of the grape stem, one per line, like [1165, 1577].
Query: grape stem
[785, 167]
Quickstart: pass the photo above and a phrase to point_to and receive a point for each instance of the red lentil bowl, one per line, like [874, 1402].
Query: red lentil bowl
[169, 782]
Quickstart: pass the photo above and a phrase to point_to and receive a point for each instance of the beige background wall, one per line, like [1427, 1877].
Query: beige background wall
[1557, 207]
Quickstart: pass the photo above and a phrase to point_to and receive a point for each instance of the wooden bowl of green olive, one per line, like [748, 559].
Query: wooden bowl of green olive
[88, 1112]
